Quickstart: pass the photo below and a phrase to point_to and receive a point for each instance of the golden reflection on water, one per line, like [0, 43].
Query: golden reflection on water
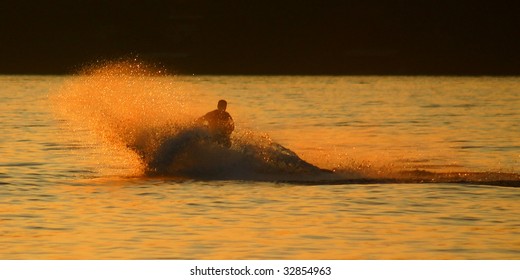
[63, 195]
[233, 220]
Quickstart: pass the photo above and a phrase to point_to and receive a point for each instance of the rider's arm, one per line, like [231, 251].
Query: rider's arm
[230, 125]
[202, 120]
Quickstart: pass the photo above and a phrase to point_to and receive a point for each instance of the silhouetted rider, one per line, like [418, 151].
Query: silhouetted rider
[220, 124]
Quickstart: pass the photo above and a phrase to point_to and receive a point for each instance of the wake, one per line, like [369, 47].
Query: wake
[142, 120]
[188, 152]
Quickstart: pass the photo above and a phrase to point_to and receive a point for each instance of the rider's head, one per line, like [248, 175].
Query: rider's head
[222, 104]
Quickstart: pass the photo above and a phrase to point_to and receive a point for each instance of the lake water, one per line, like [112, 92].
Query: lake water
[417, 167]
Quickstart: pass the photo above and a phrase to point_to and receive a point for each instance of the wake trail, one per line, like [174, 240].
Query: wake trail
[142, 120]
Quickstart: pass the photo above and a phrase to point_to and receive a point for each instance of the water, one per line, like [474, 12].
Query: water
[424, 167]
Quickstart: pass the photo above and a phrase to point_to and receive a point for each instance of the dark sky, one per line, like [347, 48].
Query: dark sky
[455, 37]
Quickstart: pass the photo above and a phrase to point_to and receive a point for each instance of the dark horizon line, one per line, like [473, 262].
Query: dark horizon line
[498, 75]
